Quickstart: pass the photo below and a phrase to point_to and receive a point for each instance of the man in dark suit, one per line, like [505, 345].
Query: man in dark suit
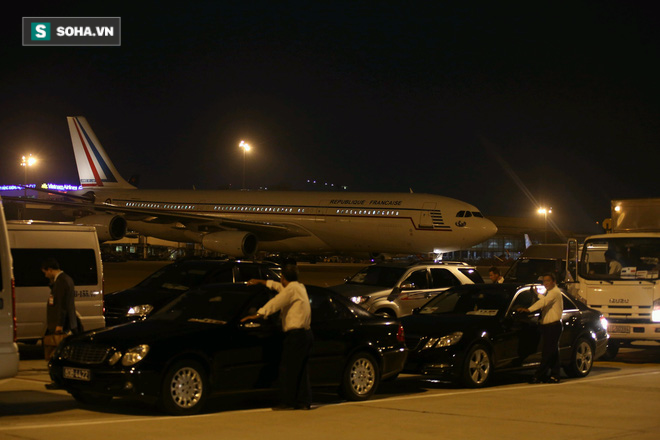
[61, 308]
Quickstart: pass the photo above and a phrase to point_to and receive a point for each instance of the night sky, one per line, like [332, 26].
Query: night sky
[460, 99]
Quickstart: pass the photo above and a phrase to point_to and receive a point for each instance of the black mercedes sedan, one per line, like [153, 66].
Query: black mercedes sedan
[170, 281]
[196, 345]
[468, 332]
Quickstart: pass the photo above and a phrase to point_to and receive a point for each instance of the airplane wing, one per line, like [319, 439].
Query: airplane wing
[265, 230]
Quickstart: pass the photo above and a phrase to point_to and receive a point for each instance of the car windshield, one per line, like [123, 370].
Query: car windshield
[619, 258]
[183, 277]
[212, 306]
[382, 276]
[468, 302]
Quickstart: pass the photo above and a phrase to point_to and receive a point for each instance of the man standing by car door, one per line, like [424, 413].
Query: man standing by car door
[293, 302]
[552, 306]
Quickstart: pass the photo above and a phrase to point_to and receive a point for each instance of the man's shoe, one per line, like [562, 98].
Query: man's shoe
[534, 380]
[53, 386]
[553, 379]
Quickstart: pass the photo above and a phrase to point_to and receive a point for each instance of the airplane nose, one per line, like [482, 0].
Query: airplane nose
[489, 229]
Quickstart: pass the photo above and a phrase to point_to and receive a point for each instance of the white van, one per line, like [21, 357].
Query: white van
[76, 248]
[8, 347]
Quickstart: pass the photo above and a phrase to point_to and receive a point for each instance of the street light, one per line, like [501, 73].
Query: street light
[545, 212]
[27, 161]
[246, 147]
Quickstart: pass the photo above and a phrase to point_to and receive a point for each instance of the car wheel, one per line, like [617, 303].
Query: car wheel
[185, 388]
[582, 359]
[477, 367]
[90, 398]
[361, 377]
[611, 352]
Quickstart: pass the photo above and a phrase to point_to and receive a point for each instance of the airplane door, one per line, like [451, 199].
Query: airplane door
[322, 211]
[425, 219]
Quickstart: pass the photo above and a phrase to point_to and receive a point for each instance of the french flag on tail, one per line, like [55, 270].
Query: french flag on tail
[95, 169]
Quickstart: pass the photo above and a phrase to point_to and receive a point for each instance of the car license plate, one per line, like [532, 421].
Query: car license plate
[77, 373]
[618, 329]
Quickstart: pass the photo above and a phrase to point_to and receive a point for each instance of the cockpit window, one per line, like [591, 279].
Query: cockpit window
[460, 214]
[477, 214]
[468, 214]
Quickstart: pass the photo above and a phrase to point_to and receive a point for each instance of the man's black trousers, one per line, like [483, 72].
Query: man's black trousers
[294, 374]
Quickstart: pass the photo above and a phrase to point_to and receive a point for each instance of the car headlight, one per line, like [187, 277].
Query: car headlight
[134, 355]
[444, 341]
[140, 310]
[360, 299]
[655, 315]
[603, 322]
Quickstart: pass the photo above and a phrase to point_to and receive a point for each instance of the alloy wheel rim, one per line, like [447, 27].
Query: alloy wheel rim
[479, 367]
[186, 388]
[584, 357]
[362, 376]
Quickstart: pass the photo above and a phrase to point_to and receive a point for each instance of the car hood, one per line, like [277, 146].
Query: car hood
[145, 332]
[441, 325]
[137, 295]
[349, 290]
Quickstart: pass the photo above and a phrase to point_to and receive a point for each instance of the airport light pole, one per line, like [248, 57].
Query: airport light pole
[246, 147]
[545, 212]
[27, 161]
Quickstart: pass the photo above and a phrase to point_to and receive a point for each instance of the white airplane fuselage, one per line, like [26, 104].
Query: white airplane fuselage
[241, 222]
[321, 221]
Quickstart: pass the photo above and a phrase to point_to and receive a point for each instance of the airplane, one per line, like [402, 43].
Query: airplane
[239, 223]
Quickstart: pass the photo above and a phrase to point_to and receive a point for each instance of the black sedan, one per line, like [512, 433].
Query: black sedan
[468, 332]
[196, 345]
[170, 281]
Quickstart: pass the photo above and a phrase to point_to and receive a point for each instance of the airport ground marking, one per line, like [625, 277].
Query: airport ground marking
[362, 403]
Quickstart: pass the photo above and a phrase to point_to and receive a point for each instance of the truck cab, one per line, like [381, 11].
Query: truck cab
[618, 276]
[619, 272]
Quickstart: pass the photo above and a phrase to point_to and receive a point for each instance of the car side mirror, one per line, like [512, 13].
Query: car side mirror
[394, 294]
[407, 286]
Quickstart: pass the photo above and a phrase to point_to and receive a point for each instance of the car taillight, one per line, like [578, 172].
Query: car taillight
[400, 335]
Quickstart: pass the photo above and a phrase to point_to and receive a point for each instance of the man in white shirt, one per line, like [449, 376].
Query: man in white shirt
[296, 315]
[552, 306]
[614, 268]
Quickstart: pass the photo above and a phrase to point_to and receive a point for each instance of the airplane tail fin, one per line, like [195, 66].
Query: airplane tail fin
[95, 169]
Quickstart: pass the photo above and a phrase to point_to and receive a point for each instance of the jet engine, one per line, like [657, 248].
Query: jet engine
[108, 227]
[234, 243]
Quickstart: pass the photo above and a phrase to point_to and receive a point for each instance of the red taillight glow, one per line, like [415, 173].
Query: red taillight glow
[400, 335]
